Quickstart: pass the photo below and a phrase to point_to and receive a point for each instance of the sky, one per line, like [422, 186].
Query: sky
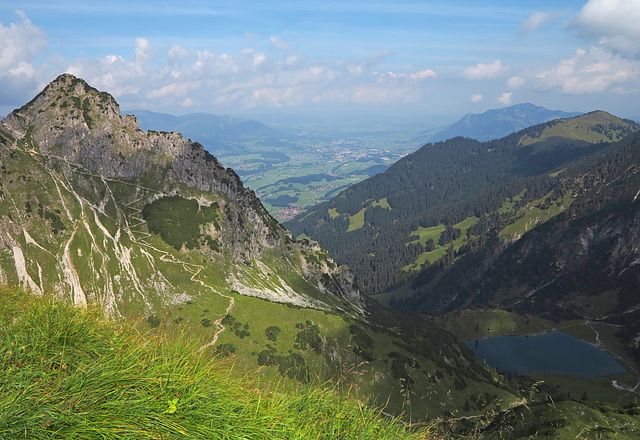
[415, 59]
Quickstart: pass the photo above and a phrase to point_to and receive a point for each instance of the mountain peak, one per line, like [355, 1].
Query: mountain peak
[104, 168]
[497, 123]
[72, 94]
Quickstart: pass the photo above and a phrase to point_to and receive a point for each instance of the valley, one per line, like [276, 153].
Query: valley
[457, 241]
[291, 170]
[149, 226]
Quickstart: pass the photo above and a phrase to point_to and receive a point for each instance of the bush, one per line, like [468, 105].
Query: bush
[178, 220]
[272, 332]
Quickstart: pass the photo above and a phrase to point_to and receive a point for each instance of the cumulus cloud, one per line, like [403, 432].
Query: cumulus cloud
[505, 98]
[515, 82]
[476, 98]
[535, 21]
[590, 71]
[211, 81]
[614, 23]
[485, 70]
[21, 42]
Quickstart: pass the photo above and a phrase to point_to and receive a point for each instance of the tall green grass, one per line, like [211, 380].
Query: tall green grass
[67, 373]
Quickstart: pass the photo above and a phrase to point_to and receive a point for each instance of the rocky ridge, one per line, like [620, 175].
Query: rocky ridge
[106, 170]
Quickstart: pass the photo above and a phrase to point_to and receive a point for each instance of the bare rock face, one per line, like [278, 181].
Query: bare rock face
[111, 167]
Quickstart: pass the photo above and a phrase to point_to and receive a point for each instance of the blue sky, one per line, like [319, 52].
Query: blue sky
[426, 60]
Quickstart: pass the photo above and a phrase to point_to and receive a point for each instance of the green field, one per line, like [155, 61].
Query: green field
[433, 233]
[308, 174]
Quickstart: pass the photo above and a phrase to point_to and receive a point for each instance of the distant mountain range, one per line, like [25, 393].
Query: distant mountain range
[221, 134]
[497, 123]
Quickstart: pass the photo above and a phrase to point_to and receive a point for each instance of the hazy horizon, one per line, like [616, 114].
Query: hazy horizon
[409, 62]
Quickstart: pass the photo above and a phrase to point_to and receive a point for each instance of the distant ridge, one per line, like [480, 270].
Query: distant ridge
[497, 123]
[218, 133]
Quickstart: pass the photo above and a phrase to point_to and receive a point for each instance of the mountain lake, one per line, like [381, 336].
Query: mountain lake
[552, 352]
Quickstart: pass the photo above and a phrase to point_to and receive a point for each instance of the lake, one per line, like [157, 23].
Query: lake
[553, 352]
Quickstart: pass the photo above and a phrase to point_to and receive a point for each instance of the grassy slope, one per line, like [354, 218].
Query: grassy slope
[581, 128]
[68, 373]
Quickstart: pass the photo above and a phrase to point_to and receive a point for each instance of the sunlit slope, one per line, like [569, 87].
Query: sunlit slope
[69, 373]
[446, 185]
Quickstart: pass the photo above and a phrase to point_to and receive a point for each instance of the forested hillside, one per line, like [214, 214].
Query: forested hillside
[424, 208]
[582, 262]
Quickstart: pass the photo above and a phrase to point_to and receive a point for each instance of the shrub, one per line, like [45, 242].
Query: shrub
[272, 332]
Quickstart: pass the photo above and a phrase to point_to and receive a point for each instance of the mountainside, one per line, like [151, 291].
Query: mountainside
[557, 256]
[424, 208]
[497, 123]
[150, 226]
[82, 183]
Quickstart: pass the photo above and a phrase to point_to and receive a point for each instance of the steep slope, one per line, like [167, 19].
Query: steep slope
[422, 209]
[497, 123]
[572, 254]
[150, 226]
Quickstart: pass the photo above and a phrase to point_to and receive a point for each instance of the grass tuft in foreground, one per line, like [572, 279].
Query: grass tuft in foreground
[68, 373]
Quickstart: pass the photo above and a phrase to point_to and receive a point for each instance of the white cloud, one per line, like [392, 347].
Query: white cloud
[175, 77]
[515, 82]
[279, 44]
[418, 76]
[21, 43]
[614, 23]
[143, 49]
[590, 71]
[177, 89]
[505, 98]
[485, 70]
[476, 98]
[423, 74]
[177, 53]
[535, 21]
[623, 91]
